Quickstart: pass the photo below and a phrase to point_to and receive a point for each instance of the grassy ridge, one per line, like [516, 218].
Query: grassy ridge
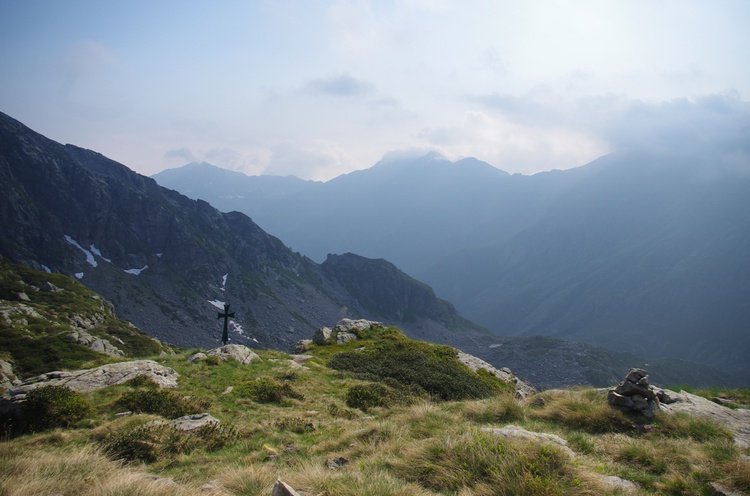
[424, 446]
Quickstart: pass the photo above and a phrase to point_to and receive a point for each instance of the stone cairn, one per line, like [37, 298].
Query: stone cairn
[635, 395]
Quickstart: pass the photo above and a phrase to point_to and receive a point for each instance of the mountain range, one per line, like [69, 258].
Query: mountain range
[643, 251]
[169, 263]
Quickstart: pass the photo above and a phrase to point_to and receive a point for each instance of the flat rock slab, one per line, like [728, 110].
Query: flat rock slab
[736, 421]
[111, 374]
[515, 432]
[192, 422]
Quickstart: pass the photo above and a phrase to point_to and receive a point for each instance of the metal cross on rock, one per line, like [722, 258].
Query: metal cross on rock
[225, 316]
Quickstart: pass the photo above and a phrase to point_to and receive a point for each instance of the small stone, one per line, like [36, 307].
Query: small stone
[337, 463]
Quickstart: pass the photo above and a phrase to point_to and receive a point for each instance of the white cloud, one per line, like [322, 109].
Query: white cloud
[344, 85]
[315, 159]
[515, 147]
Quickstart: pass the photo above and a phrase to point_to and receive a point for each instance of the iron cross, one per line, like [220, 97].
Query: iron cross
[225, 316]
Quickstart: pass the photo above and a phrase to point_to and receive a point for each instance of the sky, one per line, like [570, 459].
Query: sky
[321, 88]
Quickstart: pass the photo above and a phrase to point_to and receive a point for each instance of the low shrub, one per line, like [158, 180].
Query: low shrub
[434, 369]
[267, 390]
[48, 407]
[164, 402]
[151, 442]
[367, 396]
[298, 425]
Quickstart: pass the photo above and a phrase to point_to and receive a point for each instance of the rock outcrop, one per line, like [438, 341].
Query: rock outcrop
[522, 389]
[634, 394]
[84, 381]
[737, 421]
[8, 378]
[96, 344]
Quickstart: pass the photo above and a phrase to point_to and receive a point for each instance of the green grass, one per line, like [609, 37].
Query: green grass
[405, 414]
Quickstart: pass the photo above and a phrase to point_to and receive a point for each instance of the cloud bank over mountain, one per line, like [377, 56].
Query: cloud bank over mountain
[318, 89]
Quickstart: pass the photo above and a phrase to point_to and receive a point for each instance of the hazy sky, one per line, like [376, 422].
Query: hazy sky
[319, 88]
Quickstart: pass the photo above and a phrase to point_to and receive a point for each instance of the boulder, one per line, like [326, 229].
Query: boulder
[303, 345]
[515, 432]
[196, 357]
[523, 389]
[239, 352]
[349, 325]
[322, 336]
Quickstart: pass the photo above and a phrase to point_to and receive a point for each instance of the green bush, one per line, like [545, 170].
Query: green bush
[267, 390]
[163, 402]
[367, 396]
[47, 407]
[434, 369]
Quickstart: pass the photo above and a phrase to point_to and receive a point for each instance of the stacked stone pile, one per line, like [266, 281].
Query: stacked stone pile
[635, 395]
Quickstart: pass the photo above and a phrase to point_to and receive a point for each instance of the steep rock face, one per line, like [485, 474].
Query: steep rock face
[166, 262]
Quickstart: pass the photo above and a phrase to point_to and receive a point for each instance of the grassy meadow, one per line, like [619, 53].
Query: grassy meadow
[339, 426]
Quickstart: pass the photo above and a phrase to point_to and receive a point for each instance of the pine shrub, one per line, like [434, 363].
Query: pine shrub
[48, 407]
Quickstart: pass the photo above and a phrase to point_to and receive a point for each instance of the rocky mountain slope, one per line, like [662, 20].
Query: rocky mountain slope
[641, 252]
[168, 263]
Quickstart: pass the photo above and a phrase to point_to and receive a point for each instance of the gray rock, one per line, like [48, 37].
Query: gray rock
[196, 357]
[283, 489]
[322, 336]
[522, 389]
[96, 344]
[8, 378]
[721, 490]
[192, 422]
[515, 432]
[303, 345]
[344, 337]
[239, 352]
[349, 325]
[111, 374]
[617, 483]
[48, 287]
[336, 463]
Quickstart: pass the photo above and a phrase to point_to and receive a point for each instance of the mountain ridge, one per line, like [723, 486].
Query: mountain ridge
[163, 259]
[639, 251]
